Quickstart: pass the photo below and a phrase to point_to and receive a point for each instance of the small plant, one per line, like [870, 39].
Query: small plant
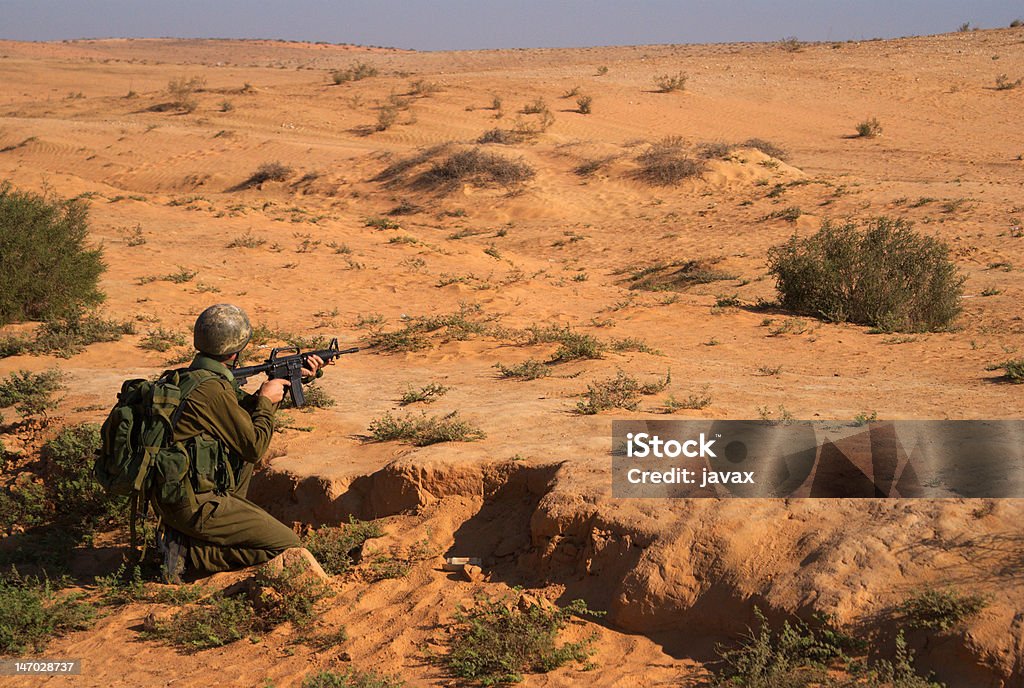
[351, 678]
[790, 214]
[667, 83]
[601, 71]
[1014, 370]
[475, 165]
[863, 418]
[496, 642]
[964, 28]
[356, 72]
[574, 346]
[1003, 83]
[621, 391]
[769, 371]
[387, 115]
[315, 397]
[32, 613]
[31, 394]
[887, 276]
[133, 235]
[781, 417]
[869, 128]
[766, 147]
[676, 276]
[583, 105]
[424, 430]
[535, 107]
[123, 586]
[531, 369]
[941, 610]
[381, 223]
[337, 548]
[218, 620]
[696, 401]
[427, 394]
[67, 336]
[161, 340]
[247, 240]
[226, 106]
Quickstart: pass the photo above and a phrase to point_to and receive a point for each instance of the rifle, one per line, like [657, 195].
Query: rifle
[287, 362]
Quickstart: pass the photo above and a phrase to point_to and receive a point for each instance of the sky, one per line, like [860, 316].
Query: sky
[480, 24]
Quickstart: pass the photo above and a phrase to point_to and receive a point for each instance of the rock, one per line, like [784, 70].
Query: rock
[296, 556]
[474, 574]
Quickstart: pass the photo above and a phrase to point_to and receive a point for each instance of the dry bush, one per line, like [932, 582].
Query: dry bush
[182, 93]
[270, 172]
[677, 276]
[356, 72]
[477, 166]
[667, 83]
[869, 128]
[666, 163]
[766, 147]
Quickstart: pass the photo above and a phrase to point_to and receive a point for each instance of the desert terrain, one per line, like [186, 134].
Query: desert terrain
[346, 237]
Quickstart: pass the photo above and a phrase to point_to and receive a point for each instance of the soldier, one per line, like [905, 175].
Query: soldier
[209, 523]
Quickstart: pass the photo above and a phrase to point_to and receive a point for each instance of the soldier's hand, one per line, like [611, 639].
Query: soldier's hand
[313, 364]
[274, 389]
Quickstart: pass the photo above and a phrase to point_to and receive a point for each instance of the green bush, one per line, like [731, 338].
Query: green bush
[887, 276]
[621, 391]
[46, 270]
[31, 394]
[941, 610]
[423, 430]
[218, 621]
[76, 496]
[497, 642]
[351, 678]
[32, 612]
[335, 548]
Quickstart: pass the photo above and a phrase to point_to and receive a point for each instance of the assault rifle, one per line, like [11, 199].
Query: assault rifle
[287, 362]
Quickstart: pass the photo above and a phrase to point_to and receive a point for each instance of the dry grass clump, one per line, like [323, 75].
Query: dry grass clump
[766, 147]
[677, 276]
[869, 128]
[479, 167]
[667, 83]
[666, 163]
[356, 72]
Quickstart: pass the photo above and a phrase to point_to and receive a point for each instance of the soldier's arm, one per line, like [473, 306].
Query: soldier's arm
[214, 408]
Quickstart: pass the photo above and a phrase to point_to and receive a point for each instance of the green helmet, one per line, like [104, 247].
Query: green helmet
[221, 330]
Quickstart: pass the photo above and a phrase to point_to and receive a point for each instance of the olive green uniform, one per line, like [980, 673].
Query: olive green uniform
[226, 431]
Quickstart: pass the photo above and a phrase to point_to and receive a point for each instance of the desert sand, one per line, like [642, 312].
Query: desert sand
[533, 497]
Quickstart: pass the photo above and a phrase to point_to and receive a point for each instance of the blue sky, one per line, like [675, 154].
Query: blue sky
[465, 24]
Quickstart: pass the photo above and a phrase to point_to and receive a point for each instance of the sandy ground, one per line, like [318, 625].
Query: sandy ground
[78, 118]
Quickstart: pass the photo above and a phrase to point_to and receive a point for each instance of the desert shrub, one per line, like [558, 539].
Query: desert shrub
[1013, 370]
[423, 430]
[715, 149]
[182, 92]
[387, 115]
[593, 165]
[574, 346]
[941, 610]
[217, 621]
[351, 678]
[676, 276]
[336, 548]
[426, 394]
[887, 276]
[793, 657]
[123, 586]
[667, 83]
[46, 270]
[531, 369]
[315, 397]
[496, 641]
[621, 391]
[31, 394]
[161, 339]
[32, 613]
[535, 107]
[357, 71]
[791, 44]
[423, 88]
[290, 595]
[1003, 83]
[583, 104]
[475, 165]
[766, 147]
[247, 240]
[869, 128]
[77, 499]
[665, 163]
[269, 172]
